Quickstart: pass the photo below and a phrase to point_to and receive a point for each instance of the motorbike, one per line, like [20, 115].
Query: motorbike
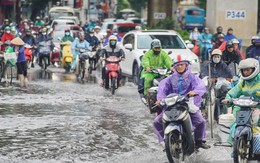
[152, 92]
[55, 57]
[206, 51]
[246, 136]
[92, 61]
[28, 51]
[177, 125]
[67, 56]
[83, 56]
[113, 70]
[44, 53]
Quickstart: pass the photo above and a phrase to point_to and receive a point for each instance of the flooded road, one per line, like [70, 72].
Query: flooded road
[59, 119]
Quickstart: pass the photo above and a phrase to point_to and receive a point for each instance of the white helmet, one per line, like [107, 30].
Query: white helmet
[235, 41]
[249, 63]
[216, 51]
[180, 58]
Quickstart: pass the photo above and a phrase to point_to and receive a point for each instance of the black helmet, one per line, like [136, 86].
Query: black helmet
[219, 29]
[229, 44]
[67, 30]
[91, 30]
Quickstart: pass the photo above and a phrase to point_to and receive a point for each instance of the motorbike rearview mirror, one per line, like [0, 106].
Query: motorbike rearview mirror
[190, 46]
[129, 47]
[144, 51]
[170, 52]
[59, 38]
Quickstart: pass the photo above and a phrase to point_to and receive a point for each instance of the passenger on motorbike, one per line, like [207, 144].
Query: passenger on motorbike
[215, 37]
[30, 40]
[5, 24]
[112, 49]
[236, 44]
[45, 38]
[78, 44]
[218, 42]
[7, 36]
[182, 82]
[255, 51]
[247, 86]
[229, 55]
[251, 46]
[205, 43]
[154, 58]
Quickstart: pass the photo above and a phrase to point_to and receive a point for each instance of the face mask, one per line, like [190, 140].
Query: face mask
[113, 42]
[8, 31]
[216, 60]
[44, 34]
[156, 52]
[67, 33]
[91, 35]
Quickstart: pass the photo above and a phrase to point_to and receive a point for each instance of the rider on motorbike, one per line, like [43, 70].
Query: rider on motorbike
[205, 42]
[94, 42]
[248, 86]
[154, 58]
[7, 36]
[30, 40]
[218, 42]
[112, 49]
[67, 36]
[255, 51]
[215, 37]
[253, 44]
[45, 38]
[182, 82]
[80, 43]
[230, 55]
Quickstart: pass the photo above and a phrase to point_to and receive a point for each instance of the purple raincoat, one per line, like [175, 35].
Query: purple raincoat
[190, 83]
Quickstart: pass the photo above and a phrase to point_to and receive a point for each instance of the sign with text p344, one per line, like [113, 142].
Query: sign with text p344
[235, 14]
[159, 15]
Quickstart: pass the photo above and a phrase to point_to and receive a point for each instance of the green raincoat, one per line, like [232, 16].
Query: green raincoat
[153, 61]
[246, 88]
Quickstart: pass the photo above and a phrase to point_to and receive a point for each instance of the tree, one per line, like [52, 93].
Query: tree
[203, 4]
[122, 4]
[137, 4]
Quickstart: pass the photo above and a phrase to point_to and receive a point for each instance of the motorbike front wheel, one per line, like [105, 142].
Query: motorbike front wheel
[45, 63]
[241, 150]
[67, 67]
[82, 70]
[113, 85]
[173, 147]
[90, 67]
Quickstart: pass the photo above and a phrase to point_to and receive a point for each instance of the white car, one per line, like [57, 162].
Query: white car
[136, 43]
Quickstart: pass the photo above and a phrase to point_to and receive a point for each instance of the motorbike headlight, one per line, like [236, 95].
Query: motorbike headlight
[56, 49]
[245, 102]
[162, 71]
[170, 101]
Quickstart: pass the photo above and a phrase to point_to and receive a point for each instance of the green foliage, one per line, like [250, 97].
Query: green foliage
[167, 23]
[203, 4]
[137, 4]
[184, 34]
[122, 4]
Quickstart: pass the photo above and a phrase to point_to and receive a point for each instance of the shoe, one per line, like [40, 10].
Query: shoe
[143, 98]
[201, 144]
[32, 66]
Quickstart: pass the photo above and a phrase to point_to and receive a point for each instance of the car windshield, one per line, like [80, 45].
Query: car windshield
[56, 36]
[125, 29]
[167, 41]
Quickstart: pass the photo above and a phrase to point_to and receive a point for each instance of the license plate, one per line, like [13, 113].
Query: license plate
[68, 60]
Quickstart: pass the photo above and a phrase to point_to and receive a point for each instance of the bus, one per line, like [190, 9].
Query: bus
[194, 17]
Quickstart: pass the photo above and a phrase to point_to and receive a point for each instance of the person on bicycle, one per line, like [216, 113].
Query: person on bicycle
[46, 40]
[21, 63]
[7, 36]
[183, 82]
[112, 49]
[230, 55]
[78, 44]
[248, 85]
[154, 58]
[30, 40]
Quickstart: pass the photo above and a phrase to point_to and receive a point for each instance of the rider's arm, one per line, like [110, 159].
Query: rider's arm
[198, 86]
[164, 88]
[235, 92]
[146, 59]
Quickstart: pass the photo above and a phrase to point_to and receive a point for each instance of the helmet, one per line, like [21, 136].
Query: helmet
[7, 28]
[216, 51]
[112, 37]
[97, 27]
[206, 28]
[255, 37]
[180, 58]
[230, 29]
[249, 63]
[221, 35]
[13, 28]
[91, 30]
[37, 17]
[229, 44]
[67, 30]
[156, 44]
[6, 20]
[235, 41]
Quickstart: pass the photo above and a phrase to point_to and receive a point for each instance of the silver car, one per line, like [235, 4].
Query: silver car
[136, 43]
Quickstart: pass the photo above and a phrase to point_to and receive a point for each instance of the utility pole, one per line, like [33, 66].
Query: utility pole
[14, 11]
